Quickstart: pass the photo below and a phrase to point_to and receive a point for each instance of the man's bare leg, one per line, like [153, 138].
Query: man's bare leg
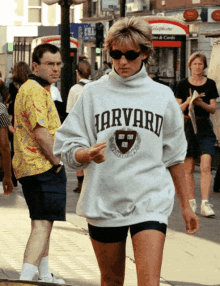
[37, 246]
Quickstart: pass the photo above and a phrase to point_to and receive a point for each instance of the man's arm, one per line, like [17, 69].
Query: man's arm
[6, 160]
[191, 220]
[46, 142]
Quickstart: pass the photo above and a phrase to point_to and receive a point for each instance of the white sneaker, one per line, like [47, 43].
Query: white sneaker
[52, 280]
[206, 210]
[193, 205]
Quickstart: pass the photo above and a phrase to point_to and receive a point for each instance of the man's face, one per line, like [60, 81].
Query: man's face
[49, 67]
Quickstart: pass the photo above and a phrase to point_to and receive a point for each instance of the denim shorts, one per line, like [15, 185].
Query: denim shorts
[119, 234]
[203, 142]
[45, 195]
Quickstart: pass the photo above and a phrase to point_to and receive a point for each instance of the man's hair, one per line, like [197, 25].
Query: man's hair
[198, 55]
[131, 30]
[41, 49]
[21, 72]
[84, 69]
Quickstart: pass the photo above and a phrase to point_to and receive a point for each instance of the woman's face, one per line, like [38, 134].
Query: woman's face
[197, 66]
[123, 66]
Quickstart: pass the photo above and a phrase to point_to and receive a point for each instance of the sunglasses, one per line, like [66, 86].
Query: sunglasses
[129, 55]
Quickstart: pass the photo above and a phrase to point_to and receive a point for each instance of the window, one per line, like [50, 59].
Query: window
[72, 14]
[34, 11]
[94, 8]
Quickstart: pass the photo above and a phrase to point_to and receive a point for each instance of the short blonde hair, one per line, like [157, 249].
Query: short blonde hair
[131, 29]
[200, 55]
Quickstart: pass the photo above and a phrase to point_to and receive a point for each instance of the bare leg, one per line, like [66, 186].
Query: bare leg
[189, 166]
[111, 261]
[46, 253]
[205, 167]
[38, 242]
[79, 173]
[148, 252]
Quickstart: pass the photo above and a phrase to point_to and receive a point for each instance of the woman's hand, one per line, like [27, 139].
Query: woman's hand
[11, 129]
[188, 100]
[7, 185]
[191, 220]
[96, 153]
[198, 101]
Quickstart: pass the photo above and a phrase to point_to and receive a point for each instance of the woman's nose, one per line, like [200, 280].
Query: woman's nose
[123, 59]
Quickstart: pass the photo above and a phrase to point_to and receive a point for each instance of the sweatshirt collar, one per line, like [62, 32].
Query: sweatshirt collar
[132, 81]
[40, 80]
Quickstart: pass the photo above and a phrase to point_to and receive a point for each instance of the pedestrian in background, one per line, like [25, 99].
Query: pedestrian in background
[20, 73]
[57, 99]
[5, 150]
[127, 132]
[4, 93]
[40, 173]
[109, 68]
[202, 143]
[83, 73]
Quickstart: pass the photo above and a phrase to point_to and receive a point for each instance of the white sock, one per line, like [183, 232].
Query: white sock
[204, 201]
[193, 200]
[28, 271]
[44, 268]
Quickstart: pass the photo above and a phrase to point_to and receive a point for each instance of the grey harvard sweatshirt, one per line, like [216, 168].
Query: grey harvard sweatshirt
[142, 124]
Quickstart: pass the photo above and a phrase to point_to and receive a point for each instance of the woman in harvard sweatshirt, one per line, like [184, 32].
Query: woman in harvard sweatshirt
[126, 131]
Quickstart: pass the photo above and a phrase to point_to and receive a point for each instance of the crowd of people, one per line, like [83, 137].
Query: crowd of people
[125, 137]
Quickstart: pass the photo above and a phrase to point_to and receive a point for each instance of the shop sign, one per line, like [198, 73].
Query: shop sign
[164, 28]
[168, 38]
[191, 15]
[216, 15]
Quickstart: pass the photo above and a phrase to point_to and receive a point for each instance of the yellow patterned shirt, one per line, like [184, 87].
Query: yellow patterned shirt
[33, 105]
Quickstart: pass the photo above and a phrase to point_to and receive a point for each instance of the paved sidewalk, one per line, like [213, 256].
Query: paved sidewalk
[188, 260]
[71, 253]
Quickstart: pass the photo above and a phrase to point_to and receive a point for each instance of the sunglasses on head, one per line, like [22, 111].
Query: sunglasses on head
[129, 55]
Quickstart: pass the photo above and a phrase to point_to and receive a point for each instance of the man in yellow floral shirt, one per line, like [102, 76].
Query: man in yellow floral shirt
[40, 173]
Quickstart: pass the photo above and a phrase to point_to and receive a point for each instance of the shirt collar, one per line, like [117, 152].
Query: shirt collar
[40, 80]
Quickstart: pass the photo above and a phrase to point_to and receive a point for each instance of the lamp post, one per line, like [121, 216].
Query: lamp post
[66, 72]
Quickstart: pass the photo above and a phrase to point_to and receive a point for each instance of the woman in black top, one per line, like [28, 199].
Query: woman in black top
[202, 143]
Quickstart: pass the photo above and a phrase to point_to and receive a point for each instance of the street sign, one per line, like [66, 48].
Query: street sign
[109, 5]
[82, 30]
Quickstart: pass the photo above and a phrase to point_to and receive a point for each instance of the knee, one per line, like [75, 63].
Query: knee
[189, 172]
[205, 170]
[41, 226]
[109, 280]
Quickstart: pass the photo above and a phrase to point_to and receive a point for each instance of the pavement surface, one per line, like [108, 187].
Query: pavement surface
[187, 260]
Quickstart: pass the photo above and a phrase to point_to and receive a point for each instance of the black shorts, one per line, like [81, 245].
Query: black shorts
[119, 234]
[45, 195]
[203, 142]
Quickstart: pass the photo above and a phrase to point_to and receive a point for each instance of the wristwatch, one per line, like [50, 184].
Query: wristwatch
[55, 167]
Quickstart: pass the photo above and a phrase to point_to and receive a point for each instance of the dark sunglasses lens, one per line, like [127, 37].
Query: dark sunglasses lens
[131, 55]
[116, 54]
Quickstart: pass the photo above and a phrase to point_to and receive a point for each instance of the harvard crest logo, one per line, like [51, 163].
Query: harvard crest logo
[124, 143]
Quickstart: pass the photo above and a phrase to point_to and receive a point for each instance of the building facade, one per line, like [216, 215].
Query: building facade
[20, 22]
[198, 16]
